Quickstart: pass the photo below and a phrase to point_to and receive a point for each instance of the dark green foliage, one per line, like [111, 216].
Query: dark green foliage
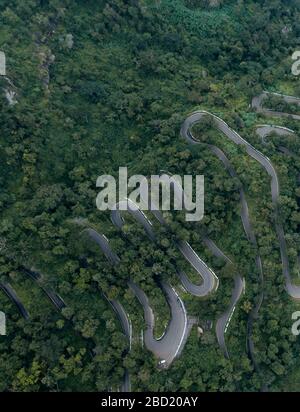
[117, 97]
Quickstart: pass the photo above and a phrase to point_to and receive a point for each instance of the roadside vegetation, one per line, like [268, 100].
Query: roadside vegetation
[106, 84]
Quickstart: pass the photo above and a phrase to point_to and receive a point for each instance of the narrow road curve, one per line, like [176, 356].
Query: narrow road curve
[124, 319]
[102, 241]
[293, 290]
[223, 321]
[10, 292]
[126, 384]
[130, 207]
[186, 133]
[126, 325]
[171, 344]
[265, 130]
[53, 296]
[174, 338]
[210, 279]
[127, 330]
[257, 104]
[114, 260]
[215, 250]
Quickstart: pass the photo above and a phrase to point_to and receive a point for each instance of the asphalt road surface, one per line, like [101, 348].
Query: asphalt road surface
[170, 345]
[293, 290]
[10, 292]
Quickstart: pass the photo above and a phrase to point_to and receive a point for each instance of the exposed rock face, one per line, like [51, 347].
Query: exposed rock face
[2, 64]
[9, 92]
[10, 97]
[46, 59]
[45, 55]
[199, 331]
[69, 41]
[215, 3]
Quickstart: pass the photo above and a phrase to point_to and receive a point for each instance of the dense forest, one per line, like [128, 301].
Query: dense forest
[92, 86]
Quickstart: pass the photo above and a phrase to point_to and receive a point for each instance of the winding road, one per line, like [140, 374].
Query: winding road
[130, 207]
[124, 319]
[293, 290]
[210, 280]
[186, 133]
[257, 104]
[10, 292]
[265, 130]
[127, 330]
[209, 284]
[239, 288]
[53, 296]
[173, 340]
[114, 260]
[104, 245]
[223, 322]
[170, 345]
